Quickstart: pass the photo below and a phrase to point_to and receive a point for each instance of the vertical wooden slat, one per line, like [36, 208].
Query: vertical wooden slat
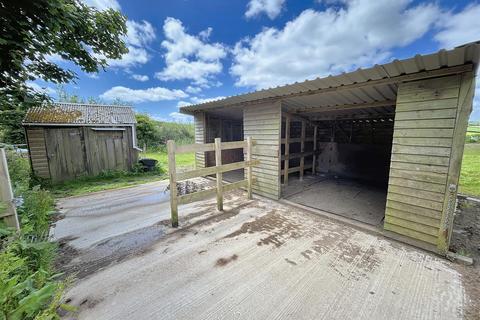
[465, 101]
[6, 194]
[218, 162]
[315, 129]
[302, 149]
[173, 182]
[287, 148]
[249, 168]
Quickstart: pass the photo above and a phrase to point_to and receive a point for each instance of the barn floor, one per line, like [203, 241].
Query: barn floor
[258, 259]
[344, 197]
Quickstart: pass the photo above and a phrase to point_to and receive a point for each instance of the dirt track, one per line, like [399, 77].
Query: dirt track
[262, 260]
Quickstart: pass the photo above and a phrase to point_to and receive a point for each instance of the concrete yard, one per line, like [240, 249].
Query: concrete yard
[258, 259]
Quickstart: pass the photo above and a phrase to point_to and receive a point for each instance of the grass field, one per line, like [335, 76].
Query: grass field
[115, 180]
[470, 175]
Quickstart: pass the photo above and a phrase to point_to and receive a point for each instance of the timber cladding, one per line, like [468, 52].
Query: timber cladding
[425, 164]
[263, 123]
[200, 124]
[62, 152]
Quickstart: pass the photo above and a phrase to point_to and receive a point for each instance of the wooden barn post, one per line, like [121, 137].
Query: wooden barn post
[218, 162]
[172, 175]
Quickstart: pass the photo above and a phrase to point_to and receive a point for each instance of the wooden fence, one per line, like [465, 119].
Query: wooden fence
[287, 156]
[218, 170]
[9, 212]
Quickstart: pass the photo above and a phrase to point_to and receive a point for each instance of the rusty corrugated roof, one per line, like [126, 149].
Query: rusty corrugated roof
[80, 114]
[465, 54]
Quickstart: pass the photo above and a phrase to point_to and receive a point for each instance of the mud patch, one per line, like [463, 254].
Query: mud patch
[224, 261]
[466, 228]
[278, 228]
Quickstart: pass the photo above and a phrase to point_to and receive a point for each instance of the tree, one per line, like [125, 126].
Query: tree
[147, 131]
[32, 32]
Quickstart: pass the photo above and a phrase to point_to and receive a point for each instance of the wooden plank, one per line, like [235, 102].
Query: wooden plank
[426, 114]
[418, 167]
[422, 141]
[420, 185]
[430, 105]
[423, 133]
[196, 196]
[413, 217]
[214, 170]
[173, 183]
[218, 162]
[426, 94]
[417, 193]
[426, 229]
[420, 159]
[287, 149]
[428, 123]
[421, 150]
[410, 233]
[297, 169]
[431, 177]
[195, 148]
[413, 209]
[465, 105]
[315, 131]
[249, 168]
[424, 203]
[302, 150]
[10, 217]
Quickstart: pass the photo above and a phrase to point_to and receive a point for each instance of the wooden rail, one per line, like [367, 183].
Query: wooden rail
[287, 156]
[218, 170]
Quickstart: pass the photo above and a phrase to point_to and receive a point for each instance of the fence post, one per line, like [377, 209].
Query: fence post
[302, 150]
[287, 149]
[6, 194]
[249, 167]
[172, 174]
[218, 162]
[315, 129]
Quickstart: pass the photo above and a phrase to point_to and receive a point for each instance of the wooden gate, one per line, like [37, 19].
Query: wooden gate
[218, 170]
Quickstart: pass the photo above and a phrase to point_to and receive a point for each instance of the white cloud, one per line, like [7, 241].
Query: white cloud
[271, 8]
[318, 43]
[140, 77]
[187, 57]
[180, 117]
[196, 100]
[103, 4]
[139, 36]
[142, 95]
[41, 89]
[205, 34]
[460, 28]
[192, 89]
[139, 33]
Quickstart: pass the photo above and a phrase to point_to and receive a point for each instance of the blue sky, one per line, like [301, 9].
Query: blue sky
[189, 51]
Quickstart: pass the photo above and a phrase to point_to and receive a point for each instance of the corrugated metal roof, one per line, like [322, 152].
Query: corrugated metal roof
[80, 114]
[465, 54]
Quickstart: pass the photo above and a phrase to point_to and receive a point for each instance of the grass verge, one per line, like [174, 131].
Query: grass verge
[470, 174]
[120, 179]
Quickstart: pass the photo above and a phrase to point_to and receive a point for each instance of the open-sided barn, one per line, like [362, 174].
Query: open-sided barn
[68, 140]
[381, 145]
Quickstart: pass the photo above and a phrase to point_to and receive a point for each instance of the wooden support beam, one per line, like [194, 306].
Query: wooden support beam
[249, 168]
[386, 103]
[218, 162]
[173, 182]
[6, 194]
[315, 129]
[287, 148]
[214, 170]
[302, 150]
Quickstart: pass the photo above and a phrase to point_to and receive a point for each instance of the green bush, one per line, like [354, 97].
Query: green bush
[19, 170]
[155, 134]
